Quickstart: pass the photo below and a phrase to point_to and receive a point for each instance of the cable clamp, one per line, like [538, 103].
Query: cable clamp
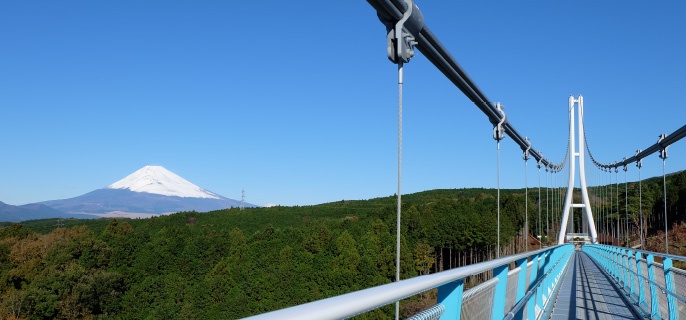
[528, 147]
[540, 161]
[639, 162]
[663, 150]
[401, 36]
[498, 131]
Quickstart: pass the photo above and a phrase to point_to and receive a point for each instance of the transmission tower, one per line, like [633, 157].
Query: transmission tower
[242, 199]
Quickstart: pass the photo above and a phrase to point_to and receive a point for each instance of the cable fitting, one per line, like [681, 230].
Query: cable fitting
[498, 131]
[663, 150]
[528, 147]
[639, 162]
[401, 35]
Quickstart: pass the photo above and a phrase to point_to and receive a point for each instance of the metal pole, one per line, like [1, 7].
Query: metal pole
[640, 207]
[664, 188]
[400, 156]
[547, 209]
[626, 205]
[608, 211]
[639, 164]
[539, 205]
[663, 156]
[499, 134]
[497, 252]
[526, 204]
[619, 235]
[526, 195]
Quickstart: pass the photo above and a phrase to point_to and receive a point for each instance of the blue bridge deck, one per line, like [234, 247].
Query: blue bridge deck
[588, 293]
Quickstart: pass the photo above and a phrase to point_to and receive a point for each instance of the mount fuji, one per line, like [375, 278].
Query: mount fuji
[150, 191]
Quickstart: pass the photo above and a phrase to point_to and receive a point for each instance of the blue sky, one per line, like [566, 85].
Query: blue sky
[297, 103]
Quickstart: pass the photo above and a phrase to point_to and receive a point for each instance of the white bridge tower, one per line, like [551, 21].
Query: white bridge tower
[575, 152]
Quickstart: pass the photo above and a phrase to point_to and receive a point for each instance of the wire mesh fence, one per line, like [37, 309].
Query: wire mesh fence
[511, 295]
[477, 302]
[432, 313]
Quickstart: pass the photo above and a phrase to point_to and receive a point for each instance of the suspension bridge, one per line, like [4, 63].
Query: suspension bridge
[598, 269]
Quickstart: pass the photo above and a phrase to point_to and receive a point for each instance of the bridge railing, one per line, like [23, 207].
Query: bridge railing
[650, 279]
[521, 287]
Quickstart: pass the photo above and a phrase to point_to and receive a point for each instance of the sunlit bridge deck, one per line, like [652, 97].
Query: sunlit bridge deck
[588, 293]
[560, 282]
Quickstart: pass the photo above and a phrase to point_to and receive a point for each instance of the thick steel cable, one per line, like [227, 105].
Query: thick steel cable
[434, 51]
[662, 144]
[667, 141]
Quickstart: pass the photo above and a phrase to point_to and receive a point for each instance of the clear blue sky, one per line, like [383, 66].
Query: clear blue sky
[296, 101]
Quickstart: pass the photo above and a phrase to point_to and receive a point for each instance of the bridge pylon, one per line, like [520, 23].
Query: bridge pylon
[575, 152]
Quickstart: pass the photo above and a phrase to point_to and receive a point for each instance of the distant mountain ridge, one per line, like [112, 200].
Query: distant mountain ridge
[103, 201]
[32, 211]
[149, 191]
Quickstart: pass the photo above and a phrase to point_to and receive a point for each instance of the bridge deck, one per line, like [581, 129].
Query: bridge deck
[586, 293]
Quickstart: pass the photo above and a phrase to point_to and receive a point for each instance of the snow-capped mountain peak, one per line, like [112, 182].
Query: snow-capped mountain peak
[158, 180]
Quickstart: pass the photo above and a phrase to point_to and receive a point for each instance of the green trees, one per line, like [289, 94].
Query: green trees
[62, 274]
[231, 264]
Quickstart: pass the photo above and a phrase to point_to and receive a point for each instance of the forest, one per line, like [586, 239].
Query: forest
[235, 263]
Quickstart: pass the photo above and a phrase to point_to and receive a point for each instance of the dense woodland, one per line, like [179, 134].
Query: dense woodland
[231, 263]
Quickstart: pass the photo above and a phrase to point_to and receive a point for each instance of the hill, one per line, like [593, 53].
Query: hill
[233, 263]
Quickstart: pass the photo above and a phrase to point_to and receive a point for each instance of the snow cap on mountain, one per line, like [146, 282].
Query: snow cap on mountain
[158, 180]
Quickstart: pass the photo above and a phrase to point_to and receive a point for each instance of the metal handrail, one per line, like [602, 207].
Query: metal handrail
[354, 303]
[628, 257]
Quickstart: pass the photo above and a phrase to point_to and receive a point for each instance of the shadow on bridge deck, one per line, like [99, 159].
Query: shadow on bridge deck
[587, 293]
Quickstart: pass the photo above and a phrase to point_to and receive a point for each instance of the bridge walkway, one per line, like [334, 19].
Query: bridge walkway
[586, 293]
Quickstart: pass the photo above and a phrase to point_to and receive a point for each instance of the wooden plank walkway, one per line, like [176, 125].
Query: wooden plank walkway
[587, 294]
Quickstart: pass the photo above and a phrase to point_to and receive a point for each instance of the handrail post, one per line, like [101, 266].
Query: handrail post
[450, 295]
[654, 302]
[500, 292]
[545, 284]
[541, 264]
[669, 283]
[531, 304]
[619, 275]
[521, 283]
[540, 290]
[625, 268]
[609, 265]
[641, 293]
[632, 287]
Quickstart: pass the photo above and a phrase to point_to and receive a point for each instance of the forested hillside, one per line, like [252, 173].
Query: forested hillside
[230, 264]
